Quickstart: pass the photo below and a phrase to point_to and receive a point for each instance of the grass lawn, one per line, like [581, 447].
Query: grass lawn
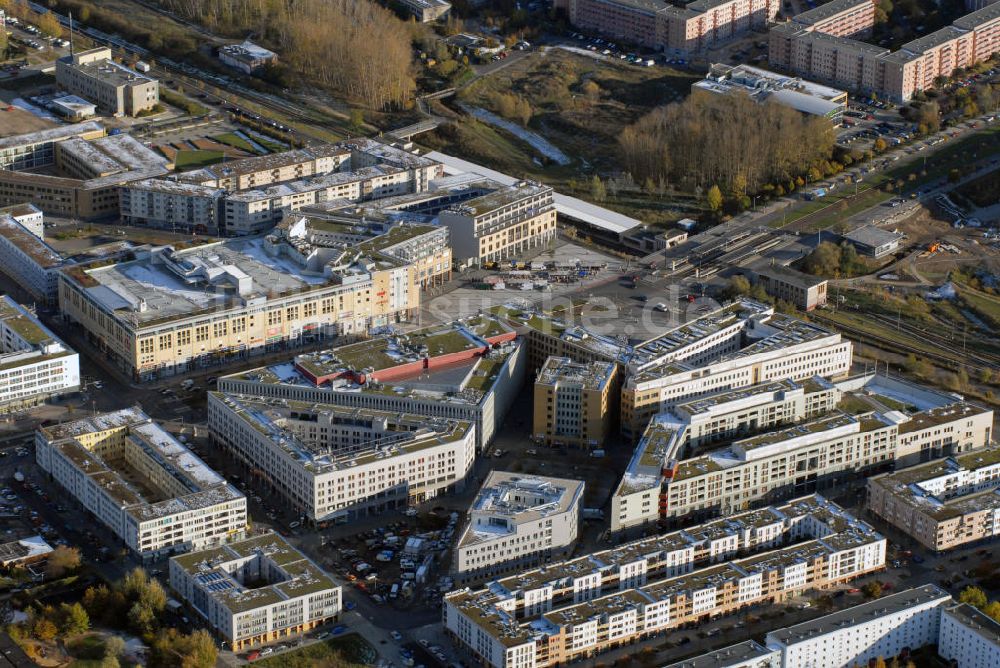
[842, 209]
[194, 159]
[987, 307]
[344, 651]
[236, 141]
[86, 647]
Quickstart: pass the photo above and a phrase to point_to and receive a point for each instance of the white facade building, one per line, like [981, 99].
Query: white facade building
[256, 590]
[28, 215]
[969, 638]
[336, 464]
[135, 478]
[578, 608]
[30, 262]
[474, 377]
[517, 521]
[34, 363]
[742, 344]
[748, 654]
[879, 628]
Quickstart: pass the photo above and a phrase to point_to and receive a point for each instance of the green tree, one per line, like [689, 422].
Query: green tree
[974, 596]
[992, 610]
[172, 648]
[44, 630]
[824, 260]
[114, 647]
[75, 619]
[357, 120]
[986, 376]
[62, 560]
[738, 286]
[598, 191]
[848, 259]
[713, 198]
[49, 25]
[872, 589]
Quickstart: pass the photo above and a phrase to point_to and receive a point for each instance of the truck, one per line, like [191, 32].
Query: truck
[816, 194]
[593, 514]
[142, 66]
[173, 605]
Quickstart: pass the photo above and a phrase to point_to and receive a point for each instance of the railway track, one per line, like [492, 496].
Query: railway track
[952, 361]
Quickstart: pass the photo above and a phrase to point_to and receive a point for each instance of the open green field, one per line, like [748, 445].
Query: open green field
[234, 140]
[195, 159]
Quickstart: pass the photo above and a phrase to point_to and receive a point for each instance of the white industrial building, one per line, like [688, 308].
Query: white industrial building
[518, 521]
[256, 590]
[333, 463]
[34, 363]
[27, 215]
[156, 495]
[30, 262]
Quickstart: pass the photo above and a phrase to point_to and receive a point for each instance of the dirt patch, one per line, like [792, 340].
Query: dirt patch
[14, 121]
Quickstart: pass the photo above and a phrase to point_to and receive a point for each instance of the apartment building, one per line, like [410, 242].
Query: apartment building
[248, 197]
[157, 496]
[262, 171]
[747, 654]
[34, 363]
[204, 302]
[700, 423]
[659, 25]
[638, 21]
[574, 609]
[516, 522]
[28, 261]
[427, 11]
[336, 464]
[172, 205]
[797, 459]
[550, 336]
[854, 636]
[470, 370]
[247, 57]
[258, 210]
[969, 638]
[801, 290]
[502, 224]
[744, 343]
[829, 55]
[115, 89]
[942, 504]
[256, 590]
[83, 170]
[574, 403]
[408, 238]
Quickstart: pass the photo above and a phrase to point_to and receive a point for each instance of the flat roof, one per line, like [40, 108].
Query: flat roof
[571, 207]
[392, 434]
[171, 284]
[50, 134]
[592, 376]
[828, 10]
[293, 573]
[977, 621]
[40, 252]
[517, 498]
[107, 70]
[859, 614]
[204, 487]
[733, 656]
[979, 17]
[486, 606]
